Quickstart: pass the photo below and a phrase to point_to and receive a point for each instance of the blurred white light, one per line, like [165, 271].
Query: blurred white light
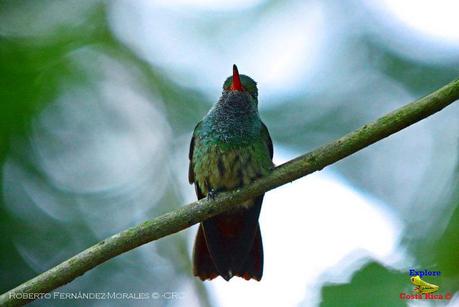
[426, 31]
[209, 4]
[435, 18]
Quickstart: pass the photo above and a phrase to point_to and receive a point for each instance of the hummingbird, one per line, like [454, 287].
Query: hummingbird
[230, 148]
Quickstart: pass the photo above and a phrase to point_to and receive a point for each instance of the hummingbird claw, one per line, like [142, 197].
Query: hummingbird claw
[211, 194]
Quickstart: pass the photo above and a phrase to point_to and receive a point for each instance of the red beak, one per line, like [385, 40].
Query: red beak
[236, 85]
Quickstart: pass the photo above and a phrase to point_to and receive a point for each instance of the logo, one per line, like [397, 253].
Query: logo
[424, 290]
[422, 286]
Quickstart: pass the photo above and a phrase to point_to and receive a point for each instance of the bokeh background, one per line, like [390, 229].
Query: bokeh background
[98, 100]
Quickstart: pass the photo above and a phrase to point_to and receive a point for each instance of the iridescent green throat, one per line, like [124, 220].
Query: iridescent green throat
[232, 121]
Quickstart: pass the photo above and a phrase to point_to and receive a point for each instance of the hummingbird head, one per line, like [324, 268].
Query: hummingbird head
[241, 83]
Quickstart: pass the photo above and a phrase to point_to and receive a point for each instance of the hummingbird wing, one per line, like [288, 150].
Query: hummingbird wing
[191, 174]
[267, 139]
[190, 155]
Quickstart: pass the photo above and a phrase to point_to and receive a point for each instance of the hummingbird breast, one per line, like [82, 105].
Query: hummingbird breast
[229, 149]
[224, 168]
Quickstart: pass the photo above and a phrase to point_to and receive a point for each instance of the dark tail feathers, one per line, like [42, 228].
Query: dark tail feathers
[205, 269]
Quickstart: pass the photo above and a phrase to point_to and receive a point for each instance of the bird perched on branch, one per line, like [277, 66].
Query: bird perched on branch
[230, 148]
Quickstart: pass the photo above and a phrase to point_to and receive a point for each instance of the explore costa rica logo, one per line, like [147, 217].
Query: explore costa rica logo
[424, 290]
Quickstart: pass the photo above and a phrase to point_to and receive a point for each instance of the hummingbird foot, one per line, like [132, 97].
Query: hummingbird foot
[212, 194]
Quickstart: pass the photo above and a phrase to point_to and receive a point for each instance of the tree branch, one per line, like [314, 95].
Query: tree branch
[198, 211]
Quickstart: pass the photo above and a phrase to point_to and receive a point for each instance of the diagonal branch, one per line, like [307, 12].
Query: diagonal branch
[198, 211]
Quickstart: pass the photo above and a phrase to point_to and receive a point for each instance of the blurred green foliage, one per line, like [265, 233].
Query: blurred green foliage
[373, 285]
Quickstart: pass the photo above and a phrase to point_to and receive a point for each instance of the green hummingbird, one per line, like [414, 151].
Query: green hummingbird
[230, 148]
